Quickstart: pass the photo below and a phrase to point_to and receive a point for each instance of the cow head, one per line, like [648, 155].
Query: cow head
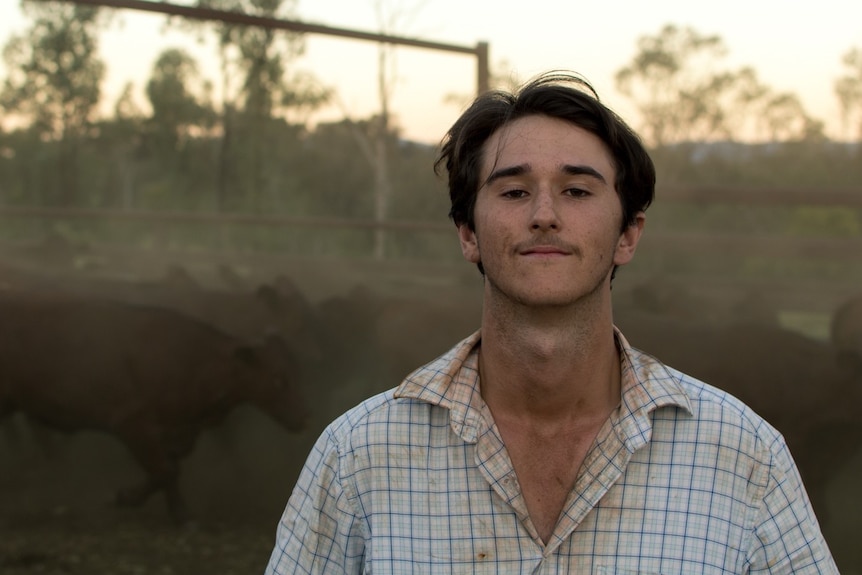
[291, 315]
[851, 361]
[270, 381]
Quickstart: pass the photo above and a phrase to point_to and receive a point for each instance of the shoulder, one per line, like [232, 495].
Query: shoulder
[721, 426]
[381, 420]
[712, 405]
[685, 409]
[735, 465]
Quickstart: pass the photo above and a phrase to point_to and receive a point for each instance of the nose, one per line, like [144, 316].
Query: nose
[544, 215]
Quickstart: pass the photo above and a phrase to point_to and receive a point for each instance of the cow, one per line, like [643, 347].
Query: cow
[277, 307]
[274, 307]
[792, 380]
[846, 333]
[390, 336]
[676, 299]
[149, 376]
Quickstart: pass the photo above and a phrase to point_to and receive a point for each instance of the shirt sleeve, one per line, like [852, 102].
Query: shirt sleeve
[788, 538]
[319, 531]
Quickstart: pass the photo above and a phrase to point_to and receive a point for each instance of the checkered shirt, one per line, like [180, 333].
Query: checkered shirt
[682, 479]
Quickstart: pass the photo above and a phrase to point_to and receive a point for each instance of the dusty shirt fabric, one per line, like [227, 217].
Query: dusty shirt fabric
[682, 479]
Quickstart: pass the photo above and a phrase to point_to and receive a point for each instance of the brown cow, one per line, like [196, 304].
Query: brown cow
[846, 333]
[278, 307]
[149, 376]
[395, 335]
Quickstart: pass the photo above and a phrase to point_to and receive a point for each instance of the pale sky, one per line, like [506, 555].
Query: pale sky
[794, 46]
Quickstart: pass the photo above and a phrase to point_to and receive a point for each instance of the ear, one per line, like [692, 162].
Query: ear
[628, 241]
[469, 244]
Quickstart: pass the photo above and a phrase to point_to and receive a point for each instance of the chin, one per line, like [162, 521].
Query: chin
[546, 299]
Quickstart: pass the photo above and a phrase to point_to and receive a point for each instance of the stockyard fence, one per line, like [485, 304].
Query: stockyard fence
[480, 50]
[801, 249]
[797, 249]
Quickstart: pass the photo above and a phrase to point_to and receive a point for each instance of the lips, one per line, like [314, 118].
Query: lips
[544, 250]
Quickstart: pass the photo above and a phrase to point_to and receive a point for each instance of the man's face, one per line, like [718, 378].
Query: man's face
[547, 218]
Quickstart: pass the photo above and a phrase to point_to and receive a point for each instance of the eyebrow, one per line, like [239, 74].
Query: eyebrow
[579, 170]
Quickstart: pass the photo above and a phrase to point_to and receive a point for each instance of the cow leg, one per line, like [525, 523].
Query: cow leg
[162, 471]
[137, 494]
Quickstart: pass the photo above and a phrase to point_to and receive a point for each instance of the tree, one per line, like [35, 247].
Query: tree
[182, 114]
[683, 94]
[256, 88]
[375, 139]
[663, 77]
[54, 82]
[782, 117]
[119, 139]
[178, 106]
[848, 89]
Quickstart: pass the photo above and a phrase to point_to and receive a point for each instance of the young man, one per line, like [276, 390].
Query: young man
[544, 443]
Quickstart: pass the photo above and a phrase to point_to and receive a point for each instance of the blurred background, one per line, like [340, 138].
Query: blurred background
[267, 166]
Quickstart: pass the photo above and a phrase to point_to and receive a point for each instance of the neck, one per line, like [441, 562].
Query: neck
[550, 365]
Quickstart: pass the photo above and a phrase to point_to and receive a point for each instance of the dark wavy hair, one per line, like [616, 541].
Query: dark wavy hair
[563, 95]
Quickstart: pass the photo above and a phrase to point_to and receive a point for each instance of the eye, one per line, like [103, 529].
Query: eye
[513, 193]
[576, 192]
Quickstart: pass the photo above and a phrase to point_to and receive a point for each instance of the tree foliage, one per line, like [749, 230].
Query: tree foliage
[54, 69]
[180, 100]
[54, 82]
[684, 94]
[257, 85]
[257, 77]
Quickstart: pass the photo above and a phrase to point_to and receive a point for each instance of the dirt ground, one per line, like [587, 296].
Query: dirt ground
[58, 515]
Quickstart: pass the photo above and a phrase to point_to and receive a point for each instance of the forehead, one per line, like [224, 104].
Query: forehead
[543, 142]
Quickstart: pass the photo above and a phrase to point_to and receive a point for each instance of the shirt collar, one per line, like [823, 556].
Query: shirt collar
[452, 382]
[647, 384]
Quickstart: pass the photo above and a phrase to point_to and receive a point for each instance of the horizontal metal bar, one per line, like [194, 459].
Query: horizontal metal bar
[201, 13]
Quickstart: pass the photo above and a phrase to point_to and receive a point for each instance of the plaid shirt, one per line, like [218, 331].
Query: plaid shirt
[682, 478]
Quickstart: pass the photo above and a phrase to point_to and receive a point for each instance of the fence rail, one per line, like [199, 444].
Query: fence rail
[811, 272]
[214, 218]
[767, 245]
[851, 198]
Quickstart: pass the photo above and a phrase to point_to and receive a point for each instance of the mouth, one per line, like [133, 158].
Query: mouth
[544, 251]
